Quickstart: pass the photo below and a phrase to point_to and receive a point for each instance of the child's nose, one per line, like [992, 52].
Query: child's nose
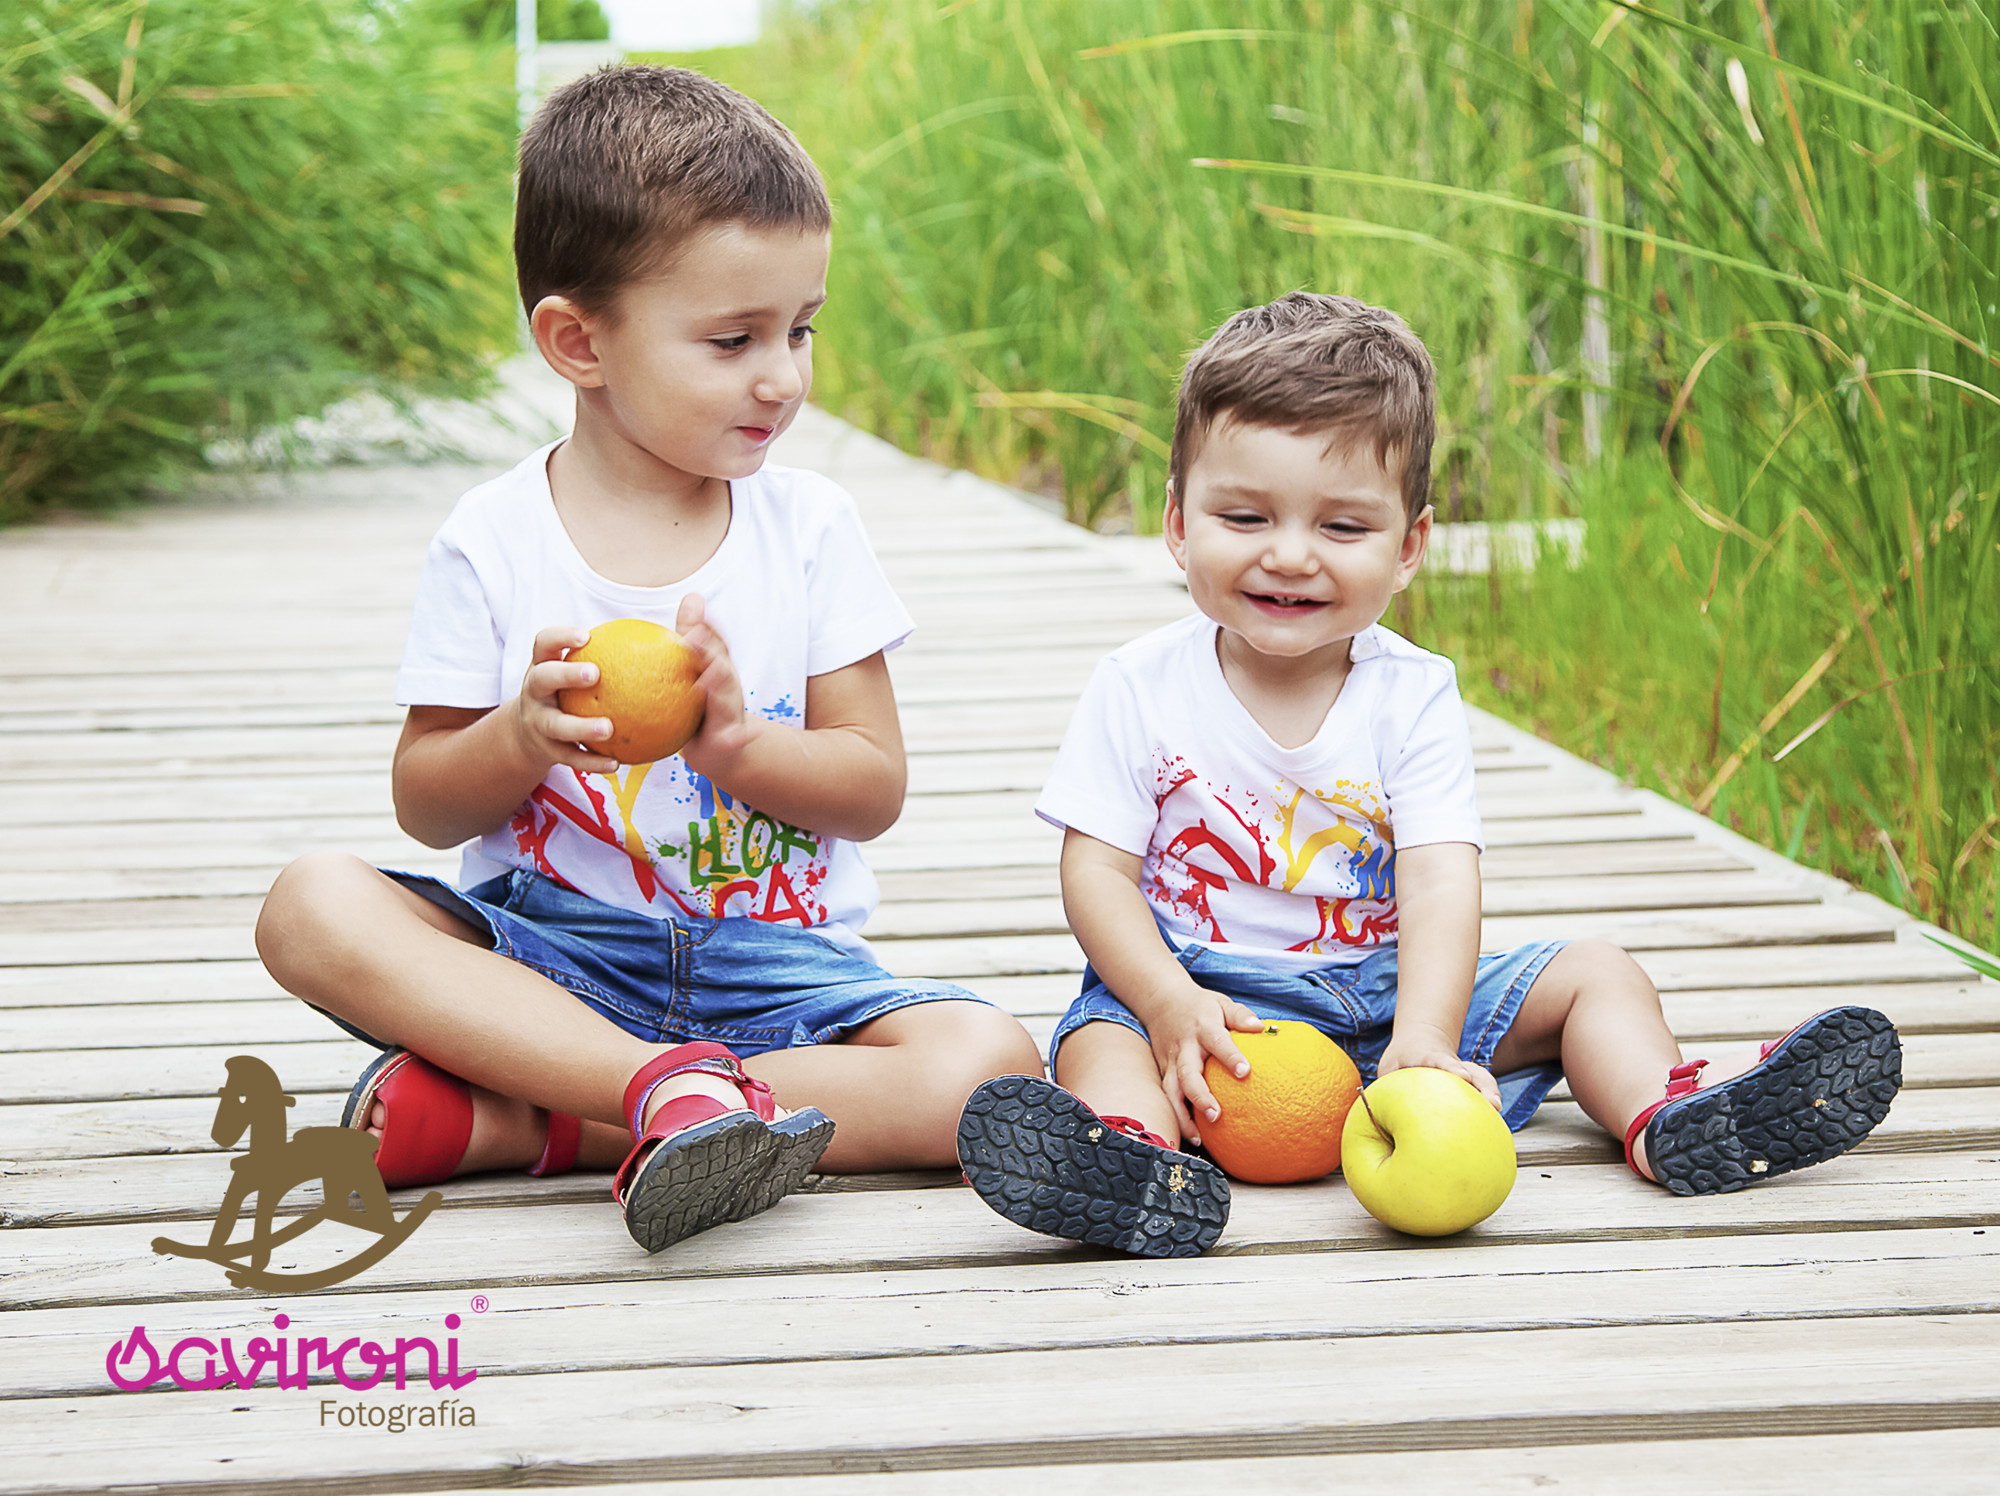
[1290, 551]
[778, 379]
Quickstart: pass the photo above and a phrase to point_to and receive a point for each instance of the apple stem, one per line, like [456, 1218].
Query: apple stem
[1362, 1097]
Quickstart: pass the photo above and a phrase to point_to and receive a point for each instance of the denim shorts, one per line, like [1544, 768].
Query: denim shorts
[744, 983]
[1353, 1006]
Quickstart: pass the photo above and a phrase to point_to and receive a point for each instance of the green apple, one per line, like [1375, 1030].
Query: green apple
[1426, 1153]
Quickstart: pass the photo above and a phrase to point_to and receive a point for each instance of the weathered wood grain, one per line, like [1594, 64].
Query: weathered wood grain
[1082, 1303]
[579, 1236]
[1935, 1462]
[1404, 1392]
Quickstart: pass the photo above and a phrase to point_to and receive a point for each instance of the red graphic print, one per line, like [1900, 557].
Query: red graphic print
[599, 826]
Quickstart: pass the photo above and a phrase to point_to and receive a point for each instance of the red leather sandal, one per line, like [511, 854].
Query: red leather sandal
[427, 1122]
[700, 1162]
[1811, 1096]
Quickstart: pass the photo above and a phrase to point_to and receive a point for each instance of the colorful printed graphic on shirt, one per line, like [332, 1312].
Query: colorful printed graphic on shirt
[695, 850]
[1216, 845]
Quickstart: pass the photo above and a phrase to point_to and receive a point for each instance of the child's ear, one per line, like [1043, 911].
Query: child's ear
[1173, 525]
[1415, 539]
[563, 331]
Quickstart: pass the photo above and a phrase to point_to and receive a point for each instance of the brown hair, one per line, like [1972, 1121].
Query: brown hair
[1308, 362]
[620, 168]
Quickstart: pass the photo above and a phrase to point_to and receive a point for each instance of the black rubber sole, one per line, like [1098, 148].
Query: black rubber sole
[802, 1138]
[1818, 1094]
[727, 1168]
[1044, 1160]
[353, 1113]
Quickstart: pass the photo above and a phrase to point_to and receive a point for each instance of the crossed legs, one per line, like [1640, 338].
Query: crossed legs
[343, 937]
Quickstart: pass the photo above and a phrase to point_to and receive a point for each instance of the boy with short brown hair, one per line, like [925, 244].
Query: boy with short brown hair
[1269, 814]
[653, 952]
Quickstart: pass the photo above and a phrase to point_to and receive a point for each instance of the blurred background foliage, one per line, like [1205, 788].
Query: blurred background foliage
[1718, 276]
[555, 20]
[217, 214]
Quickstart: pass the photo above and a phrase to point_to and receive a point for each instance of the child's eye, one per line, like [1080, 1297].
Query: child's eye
[1347, 530]
[803, 331]
[1242, 521]
[732, 345]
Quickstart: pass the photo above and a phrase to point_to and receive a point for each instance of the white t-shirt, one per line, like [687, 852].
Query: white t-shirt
[1285, 856]
[794, 590]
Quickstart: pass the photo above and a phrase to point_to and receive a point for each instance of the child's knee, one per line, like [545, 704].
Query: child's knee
[991, 1041]
[965, 1043]
[310, 906]
[1594, 965]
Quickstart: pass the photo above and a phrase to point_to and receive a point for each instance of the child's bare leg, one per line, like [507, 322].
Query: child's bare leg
[345, 938]
[1593, 1008]
[1111, 1069]
[895, 1086]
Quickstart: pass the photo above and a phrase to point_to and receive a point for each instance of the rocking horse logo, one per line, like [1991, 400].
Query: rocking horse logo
[341, 1158]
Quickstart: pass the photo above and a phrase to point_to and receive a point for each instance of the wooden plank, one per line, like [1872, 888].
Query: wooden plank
[319, 1064]
[1947, 1000]
[1084, 1303]
[1920, 1121]
[1036, 874]
[70, 1190]
[1847, 965]
[1015, 844]
[1950, 1006]
[1935, 1462]
[941, 1412]
[89, 1057]
[1780, 929]
[991, 911]
[575, 1235]
[246, 981]
[368, 752]
[146, 1025]
[65, 986]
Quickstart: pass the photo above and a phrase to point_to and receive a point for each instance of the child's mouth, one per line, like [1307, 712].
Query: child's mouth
[758, 434]
[1284, 603]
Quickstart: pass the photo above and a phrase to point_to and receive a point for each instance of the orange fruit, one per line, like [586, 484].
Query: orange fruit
[1282, 1123]
[646, 685]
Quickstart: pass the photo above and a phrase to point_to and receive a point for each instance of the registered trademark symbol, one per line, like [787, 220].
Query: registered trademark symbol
[480, 1303]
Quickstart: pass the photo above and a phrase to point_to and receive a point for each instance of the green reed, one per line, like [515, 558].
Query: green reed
[215, 214]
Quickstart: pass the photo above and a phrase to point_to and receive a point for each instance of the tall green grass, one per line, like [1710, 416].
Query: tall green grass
[1027, 252]
[219, 213]
[1718, 278]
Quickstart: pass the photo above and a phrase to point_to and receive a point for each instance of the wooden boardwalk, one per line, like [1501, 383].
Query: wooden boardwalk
[196, 694]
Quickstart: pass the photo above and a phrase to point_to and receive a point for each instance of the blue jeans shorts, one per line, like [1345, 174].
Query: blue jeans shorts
[1353, 1006]
[744, 983]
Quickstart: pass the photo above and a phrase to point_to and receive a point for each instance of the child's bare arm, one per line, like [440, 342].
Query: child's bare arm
[842, 775]
[460, 772]
[1186, 1022]
[1437, 914]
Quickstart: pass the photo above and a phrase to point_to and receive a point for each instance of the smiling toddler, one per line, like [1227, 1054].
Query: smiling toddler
[1268, 813]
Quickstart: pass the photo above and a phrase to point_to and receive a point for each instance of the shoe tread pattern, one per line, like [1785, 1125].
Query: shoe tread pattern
[698, 1178]
[1045, 1161]
[1819, 1093]
[801, 1139]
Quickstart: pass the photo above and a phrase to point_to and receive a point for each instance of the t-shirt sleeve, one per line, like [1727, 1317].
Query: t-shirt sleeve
[453, 654]
[1102, 784]
[852, 610]
[1429, 782]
